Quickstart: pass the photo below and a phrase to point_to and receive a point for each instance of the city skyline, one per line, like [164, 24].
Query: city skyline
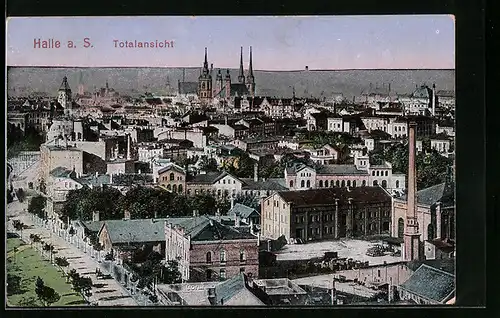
[393, 42]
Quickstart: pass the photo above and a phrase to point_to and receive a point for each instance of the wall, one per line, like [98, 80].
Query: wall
[275, 217]
[399, 273]
[423, 218]
[177, 248]
[233, 265]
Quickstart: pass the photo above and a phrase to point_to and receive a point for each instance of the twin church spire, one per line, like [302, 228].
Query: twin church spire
[250, 79]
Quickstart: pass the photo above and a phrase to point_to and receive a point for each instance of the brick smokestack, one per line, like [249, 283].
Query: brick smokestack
[411, 237]
[256, 172]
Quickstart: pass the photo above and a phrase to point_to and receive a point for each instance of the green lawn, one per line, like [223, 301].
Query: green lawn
[28, 264]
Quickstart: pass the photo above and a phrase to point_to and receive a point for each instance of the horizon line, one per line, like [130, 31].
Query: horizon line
[236, 68]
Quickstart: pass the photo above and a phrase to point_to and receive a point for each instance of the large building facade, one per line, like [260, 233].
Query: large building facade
[326, 213]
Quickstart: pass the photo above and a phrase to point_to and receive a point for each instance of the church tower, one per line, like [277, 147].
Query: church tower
[64, 95]
[228, 85]
[205, 83]
[411, 234]
[219, 83]
[250, 77]
[241, 76]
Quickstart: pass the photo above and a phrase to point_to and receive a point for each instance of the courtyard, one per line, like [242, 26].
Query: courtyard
[355, 249]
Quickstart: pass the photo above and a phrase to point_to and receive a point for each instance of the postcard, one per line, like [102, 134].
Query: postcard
[230, 161]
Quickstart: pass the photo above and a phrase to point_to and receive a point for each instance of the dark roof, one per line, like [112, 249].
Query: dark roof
[93, 226]
[204, 228]
[188, 87]
[239, 89]
[340, 170]
[209, 177]
[242, 210]
[445, 93]
[328, 196]
[251, 184]
[431, 283]
[229, 288]
[444, 192]
[447, 265]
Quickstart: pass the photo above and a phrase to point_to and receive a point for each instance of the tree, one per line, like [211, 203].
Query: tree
[37, 206]
[82, 203]
[61, 261]
[171, 273]
[10, 198]
[208, 164]
[251, 201]
[19, 226]
[29, 302]
[13, 284]
[82, 285]
[205, 204]
[49, 248]
[45, 294]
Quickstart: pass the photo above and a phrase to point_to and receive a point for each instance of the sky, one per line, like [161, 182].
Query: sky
[278, 43]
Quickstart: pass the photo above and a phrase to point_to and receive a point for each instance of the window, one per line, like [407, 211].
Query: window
[348, 183]
[180, 188]
[268, 202]
[224, 181]
[326, 183]
[223, 256]
[172, 177]
[222, 274]
[291, 183]
[337, 183]
[209, 257]
[308, 183]
[302, 184]
[378, 273]
[375, 183]
[364, 183]
[397, 183]
[321, 183]
[386, 173]
[354, 183]
[243, 256]
[174, 188]
[168, 186]
[343, 183]
[373, 173]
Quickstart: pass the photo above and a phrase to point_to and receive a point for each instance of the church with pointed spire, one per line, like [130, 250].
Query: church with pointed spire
[220, 87]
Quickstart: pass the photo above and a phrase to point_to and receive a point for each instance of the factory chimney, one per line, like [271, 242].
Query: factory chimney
[411, 236]
[128, 146]
[433, 101]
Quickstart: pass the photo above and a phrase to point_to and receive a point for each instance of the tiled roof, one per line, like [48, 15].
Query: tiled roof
[135, 231]
[251, 184]
[328, 196]
[242, 210]
[93, 226]
[95, 181]
[443, 192]
[206, 178]
[340, 170]
[204, 228]
[229, 288]
[447, 265]
[173, 167]
[430, 283]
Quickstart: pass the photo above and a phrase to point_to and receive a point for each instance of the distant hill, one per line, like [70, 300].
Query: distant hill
[133, 81]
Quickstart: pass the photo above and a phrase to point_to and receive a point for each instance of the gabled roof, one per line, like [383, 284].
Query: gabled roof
[204, 228]
[229, 288]
[242, 210]
[443, 192]
[431, 283]
[328, 196]
[135, 231]
[205, 178]
[171, 167]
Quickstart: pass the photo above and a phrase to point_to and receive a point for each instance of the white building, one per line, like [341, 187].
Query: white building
[177, 246]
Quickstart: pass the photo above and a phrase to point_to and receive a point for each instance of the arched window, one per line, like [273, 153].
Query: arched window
[337, 183]
[174, 188]
[308, 183]
[375, 183]
[386, 173]
[363, 183]
[291, 183]
[321, 183]
[384, 184]
[209, 274]
[326, 183]
[401, 227]
[430, 232]
[302, 183]
[172, 177]
[397, 183]
[223, 256]
[354, 183]
[180, 188]
[168, 186]
[343, 183]
[348, 183]
[209, 257]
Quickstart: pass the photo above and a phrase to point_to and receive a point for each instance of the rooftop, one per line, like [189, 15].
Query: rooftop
[329, 196]
[431, 283]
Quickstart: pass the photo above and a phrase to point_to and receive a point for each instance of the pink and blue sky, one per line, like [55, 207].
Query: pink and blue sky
[278, 43]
